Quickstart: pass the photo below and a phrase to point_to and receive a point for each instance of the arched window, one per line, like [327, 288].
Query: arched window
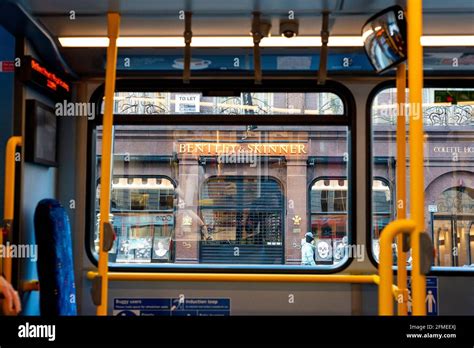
[456, 200]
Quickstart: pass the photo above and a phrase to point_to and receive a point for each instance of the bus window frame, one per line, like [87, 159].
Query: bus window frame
[293, 85]
[465, 82]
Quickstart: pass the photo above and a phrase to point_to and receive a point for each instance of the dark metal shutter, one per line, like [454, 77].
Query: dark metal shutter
[243, 218]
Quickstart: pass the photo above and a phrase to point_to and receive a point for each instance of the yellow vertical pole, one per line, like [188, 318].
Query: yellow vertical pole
[9, 202]
[113, 20]
[401, 188]
[394, 228]
[417, 199]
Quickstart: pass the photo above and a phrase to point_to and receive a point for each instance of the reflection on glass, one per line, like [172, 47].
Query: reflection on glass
[255, 103]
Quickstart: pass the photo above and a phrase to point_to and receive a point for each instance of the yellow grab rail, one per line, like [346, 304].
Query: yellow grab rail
[401, 187]
[249, 277]
[30, 285]
[386, 261]
[417, 186]
[9, 201]
[113, 20]
[240, 277]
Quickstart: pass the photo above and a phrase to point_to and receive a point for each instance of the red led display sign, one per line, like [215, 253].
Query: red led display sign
[36, 73]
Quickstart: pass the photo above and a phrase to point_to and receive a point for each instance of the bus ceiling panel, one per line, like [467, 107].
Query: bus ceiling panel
[217, 17]
[202, 26]
[171, 8]
[241, 7]
[342, 23]
[454, 24]
[429, 6]
[20, 23]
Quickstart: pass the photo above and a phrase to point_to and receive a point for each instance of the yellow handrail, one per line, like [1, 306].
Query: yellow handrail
[401, 187]
[30, 285]
[240, 277]
[9, 201]
[113, 20]
[386, 261]
[417, 186]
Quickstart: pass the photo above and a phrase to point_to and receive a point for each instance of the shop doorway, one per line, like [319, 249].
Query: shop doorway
[453, 228]
[243, 221]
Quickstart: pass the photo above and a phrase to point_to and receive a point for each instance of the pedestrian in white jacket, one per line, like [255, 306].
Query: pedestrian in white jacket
[307, 250]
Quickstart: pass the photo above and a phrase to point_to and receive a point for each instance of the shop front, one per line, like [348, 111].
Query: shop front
[233, 196]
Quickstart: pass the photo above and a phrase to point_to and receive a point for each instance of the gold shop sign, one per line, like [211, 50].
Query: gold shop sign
[269, 149]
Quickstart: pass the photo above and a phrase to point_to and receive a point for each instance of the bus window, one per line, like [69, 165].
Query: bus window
[448, 118]
[223, 196]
